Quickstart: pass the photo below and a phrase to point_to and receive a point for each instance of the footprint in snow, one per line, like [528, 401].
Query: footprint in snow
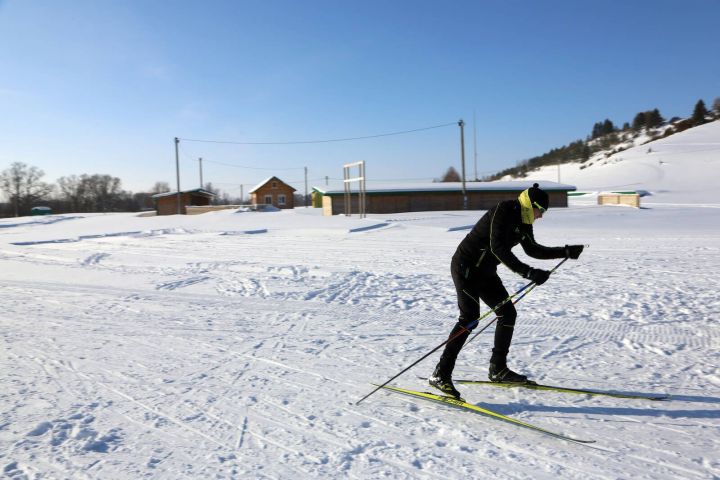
[76, 433]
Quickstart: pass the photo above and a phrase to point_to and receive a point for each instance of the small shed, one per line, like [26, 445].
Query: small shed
[437, 196]
[273, 191]
[167, 203]
[631, 199]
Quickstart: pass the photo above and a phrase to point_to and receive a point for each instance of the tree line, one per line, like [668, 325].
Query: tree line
[605, 135]
[24, 187]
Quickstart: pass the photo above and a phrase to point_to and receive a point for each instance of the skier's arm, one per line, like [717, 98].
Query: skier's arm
[501, 243]
[536, 250]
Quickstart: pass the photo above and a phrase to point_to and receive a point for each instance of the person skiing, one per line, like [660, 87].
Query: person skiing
[474, 272]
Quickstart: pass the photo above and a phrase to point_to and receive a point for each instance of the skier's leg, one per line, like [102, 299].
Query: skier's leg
[469, 312]
[493, 293]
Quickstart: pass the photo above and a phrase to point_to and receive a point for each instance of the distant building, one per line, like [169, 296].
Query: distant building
[167, 203]
[41, 211]
[273, 191]
[435, 196]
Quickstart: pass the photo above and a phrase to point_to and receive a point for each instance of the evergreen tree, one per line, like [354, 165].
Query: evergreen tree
[602, 128]
[451, 176]
[653, 119]
[586, 153]
[639, 121]
[716, 107]
[607, 127]
[699, 114]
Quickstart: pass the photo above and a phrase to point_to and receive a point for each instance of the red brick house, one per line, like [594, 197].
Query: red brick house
[273, 191]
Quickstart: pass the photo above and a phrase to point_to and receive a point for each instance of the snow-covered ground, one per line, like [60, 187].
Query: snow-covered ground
[235, 345]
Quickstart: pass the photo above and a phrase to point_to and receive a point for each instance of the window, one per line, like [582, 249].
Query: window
[268, 199]
[281, 199]
[273, 185]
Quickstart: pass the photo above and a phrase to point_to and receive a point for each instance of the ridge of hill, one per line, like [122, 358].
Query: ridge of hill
[678, 168]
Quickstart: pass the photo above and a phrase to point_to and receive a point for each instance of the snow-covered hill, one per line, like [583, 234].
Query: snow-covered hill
[681, 168]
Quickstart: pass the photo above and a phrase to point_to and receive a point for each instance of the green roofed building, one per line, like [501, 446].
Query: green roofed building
[420, 197]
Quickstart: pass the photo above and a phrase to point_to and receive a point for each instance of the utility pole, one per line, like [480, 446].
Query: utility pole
[475, 144]
[242, 195]
[201, 180]
[461, 124]
[177, 170]
[558, 170]
[306, 186]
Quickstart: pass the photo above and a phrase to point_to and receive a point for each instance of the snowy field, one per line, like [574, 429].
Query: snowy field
[235, 345]
[193, 350]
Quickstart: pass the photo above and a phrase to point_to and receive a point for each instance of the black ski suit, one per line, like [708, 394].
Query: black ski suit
[474, 272]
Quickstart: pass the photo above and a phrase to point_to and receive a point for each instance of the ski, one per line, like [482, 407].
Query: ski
[581, 391]
[454, 402]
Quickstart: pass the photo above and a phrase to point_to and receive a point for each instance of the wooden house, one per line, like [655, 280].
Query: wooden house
[273, 191]
[167, 203]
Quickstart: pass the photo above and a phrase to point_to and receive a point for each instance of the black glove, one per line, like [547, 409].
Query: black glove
[573, 251]
[538, 276]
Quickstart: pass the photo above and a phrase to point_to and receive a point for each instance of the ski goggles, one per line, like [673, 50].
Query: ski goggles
[542, 210]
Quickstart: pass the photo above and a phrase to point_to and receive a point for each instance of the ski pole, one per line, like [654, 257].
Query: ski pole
[457, 334]
[516, 301]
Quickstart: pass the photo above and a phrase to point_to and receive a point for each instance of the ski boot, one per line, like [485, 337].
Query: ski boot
[444, 384]
[502, 374]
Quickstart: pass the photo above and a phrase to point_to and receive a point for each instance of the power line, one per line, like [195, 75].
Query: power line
[319, 141]
[188, 157]
[252, 168]
[326, 178]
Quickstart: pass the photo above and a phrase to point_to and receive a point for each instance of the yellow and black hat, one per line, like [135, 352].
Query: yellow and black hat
[531, 198]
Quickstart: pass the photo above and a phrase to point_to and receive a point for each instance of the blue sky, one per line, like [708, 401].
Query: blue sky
[104, 86]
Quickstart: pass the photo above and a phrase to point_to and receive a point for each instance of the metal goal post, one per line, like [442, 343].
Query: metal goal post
[348, 179]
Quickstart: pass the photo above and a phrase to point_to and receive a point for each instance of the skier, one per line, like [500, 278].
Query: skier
[474, 272]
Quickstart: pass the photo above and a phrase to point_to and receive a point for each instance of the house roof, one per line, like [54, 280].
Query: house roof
[267, 180]
[197, 191]
[514, 186]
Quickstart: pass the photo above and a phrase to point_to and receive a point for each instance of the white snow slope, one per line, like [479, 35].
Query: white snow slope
[681, 168]
[235, 345]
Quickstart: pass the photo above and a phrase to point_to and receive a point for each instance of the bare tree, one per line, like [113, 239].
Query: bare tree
[160, 187]
[101, 191]
[216, 200]
[23, 186]
[72, 191]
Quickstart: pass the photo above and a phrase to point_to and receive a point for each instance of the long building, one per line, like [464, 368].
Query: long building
[419, 197]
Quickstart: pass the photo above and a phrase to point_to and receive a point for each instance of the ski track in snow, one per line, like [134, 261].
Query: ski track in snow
[158, 357]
